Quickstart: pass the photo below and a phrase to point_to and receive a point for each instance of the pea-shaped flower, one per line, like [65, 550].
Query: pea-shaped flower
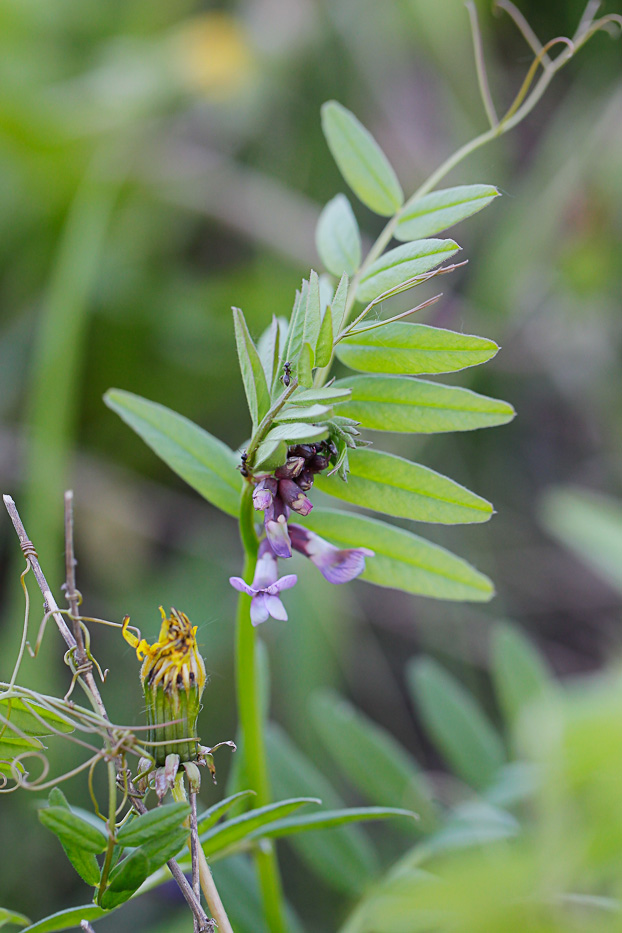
[173, 678]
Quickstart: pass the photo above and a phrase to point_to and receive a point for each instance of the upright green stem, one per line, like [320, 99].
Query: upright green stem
[250, 714]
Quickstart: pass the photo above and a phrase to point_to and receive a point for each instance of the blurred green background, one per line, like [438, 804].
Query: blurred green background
[161, 160]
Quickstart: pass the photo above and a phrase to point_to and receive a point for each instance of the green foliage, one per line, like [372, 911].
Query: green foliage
[240, 827]
[204, 462]
[66, 919]
[150, 825]
[413, 349]
[403, 263]
[439, 210]
[403, 404]
[338, 238]
[30, 718]
[10, 916]
[361, 161]
[395, 486]
[519, 671]
[402, 560]
[72, 830]
[457, 724]
[253, 375]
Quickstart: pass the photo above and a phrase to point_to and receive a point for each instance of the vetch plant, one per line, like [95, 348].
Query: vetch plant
[307, 432]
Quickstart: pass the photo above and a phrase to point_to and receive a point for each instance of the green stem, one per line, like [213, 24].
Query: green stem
[111, 823]
[251, 720]
[266, 422]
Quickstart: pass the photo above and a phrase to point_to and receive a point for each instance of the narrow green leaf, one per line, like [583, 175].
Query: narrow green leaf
[372, 760]
[66, 919]
[150, 825]
[404, 404]
[125, 879]
[211, 816]
[296, 329]
[313, 312]
[590, 525]
[519, 671]
[204, 462]
[324, 349]
[56, 798]
[395, 486]
[240, 827]
[303, 366]
[343, 856]
[402, 560]
[328, 819]
[11, 916]
[253, 375]
[442, 209]
[403, 263]
[268, 347]
[325, 395]
[270, 455]
[84, 863]
[30, 718]
[360, 160]
[297, 432]
[413, 348]
[339, 304]
[12, 746]
[456, 723]
[314, 412]
[337, 237]
[160, 849]
[73, 831]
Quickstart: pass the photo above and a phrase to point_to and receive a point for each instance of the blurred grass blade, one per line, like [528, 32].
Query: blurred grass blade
[210, 817]
[328, 819]
[401, 264]
[253, 375]
[403, 404]
[590, 525]
[456, 723]
[372, 760]
[519, 671]
[413, 349]
[360, 160]
[402, 560]
[395, 486]
[203, 461]
[11, 916]
[337, 237]
[240, 827]
[439, 210]
[342, 856]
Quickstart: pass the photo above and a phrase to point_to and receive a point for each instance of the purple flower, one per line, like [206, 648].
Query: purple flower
[293, 496]
[275, 522]
[264, 493]
[338, 566]
[265, 587]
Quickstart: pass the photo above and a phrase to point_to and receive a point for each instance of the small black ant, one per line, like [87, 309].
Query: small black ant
[242, 467]
[287, 373]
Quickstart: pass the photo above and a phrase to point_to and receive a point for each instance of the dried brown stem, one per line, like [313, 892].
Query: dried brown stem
[86, 679]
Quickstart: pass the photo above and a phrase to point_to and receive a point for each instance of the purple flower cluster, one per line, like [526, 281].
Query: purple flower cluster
[277, 496]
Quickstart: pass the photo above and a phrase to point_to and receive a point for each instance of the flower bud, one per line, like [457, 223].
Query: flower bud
[173, 679]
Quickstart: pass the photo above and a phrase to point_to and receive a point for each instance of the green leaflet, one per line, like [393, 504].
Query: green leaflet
[442, 209]
[314, 412]
[413, 349]
[11, 916]
[360, 160]
[313, 311]
[324, 395]
[328, 819]
[456, 723]
[402, 560]
[268, 347]
[11, 746]
[270, 455]
[72, 830]
[338, 307]
[66, 919]
[390, 484]
[240, 827]
[403, 404]
[372, 760]
[125, 879]
[30, 718]
[253, 375]
[211, 816]
[153, 824]
[519, 671]
[337, 237]
[84, 863]
[296, 432]
[324, 348]
[204, 462]
[403, 263]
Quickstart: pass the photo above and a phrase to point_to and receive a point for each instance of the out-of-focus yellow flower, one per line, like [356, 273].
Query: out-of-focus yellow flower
[214, 54]
[173, 678]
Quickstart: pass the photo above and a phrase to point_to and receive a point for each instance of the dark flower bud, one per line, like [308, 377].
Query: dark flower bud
[305, 480]
[318, 463]
[303, 450]
[291, 468]
[293, 496]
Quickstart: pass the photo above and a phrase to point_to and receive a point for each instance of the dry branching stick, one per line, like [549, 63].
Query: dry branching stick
[86, 679]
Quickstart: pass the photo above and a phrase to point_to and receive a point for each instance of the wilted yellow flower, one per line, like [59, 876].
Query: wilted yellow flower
[173, 678]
